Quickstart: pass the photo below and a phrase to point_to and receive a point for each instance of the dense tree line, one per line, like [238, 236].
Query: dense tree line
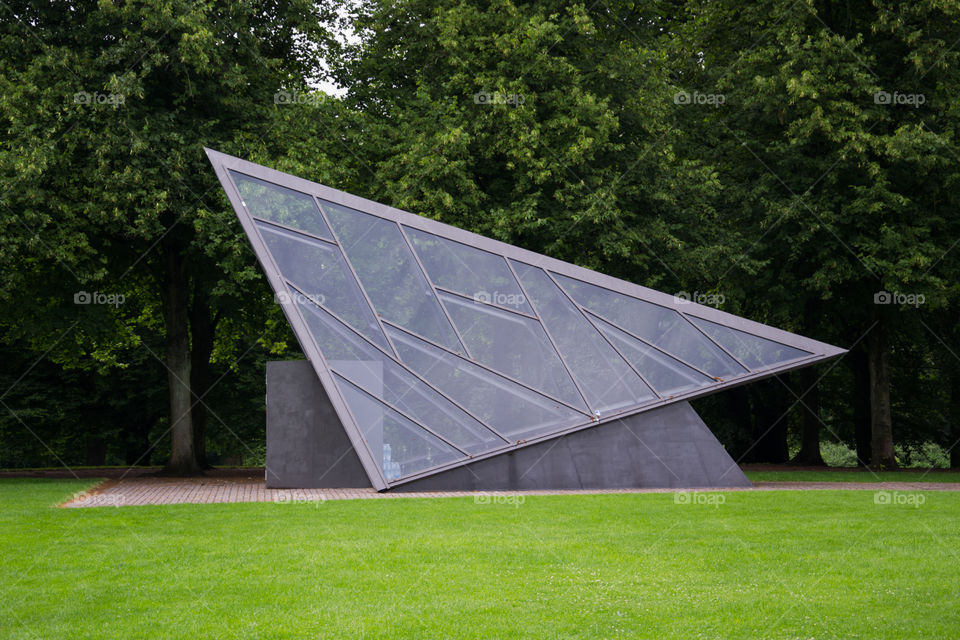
[791, 162]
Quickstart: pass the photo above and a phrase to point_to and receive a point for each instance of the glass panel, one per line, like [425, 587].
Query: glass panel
[668, 376]
[506, 406]
[607, 380]
[753, 351]
[515, 345]
[319, 271]
[390, 274]
[663, 327]
[480, 275]
[286, 206]
[402, 447]
[381, 377]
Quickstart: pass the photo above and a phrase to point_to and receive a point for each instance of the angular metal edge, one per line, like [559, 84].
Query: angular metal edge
[221, 164]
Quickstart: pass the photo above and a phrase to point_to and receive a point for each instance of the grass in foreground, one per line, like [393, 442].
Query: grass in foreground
[853, 476]
[824, 564]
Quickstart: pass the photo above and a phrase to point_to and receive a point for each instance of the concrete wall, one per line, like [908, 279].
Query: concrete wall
[306, 445]
[669, 447]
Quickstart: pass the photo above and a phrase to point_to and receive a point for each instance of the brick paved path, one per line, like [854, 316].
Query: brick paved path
[143, 491]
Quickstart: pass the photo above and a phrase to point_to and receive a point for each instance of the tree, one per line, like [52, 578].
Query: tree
[545, 124]
[106, 108]
[841, 182]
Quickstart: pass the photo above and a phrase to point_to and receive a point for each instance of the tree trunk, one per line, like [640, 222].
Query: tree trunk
[861, 405]
[809, 453]
[881, 421]
[176, 296]
[201, 330]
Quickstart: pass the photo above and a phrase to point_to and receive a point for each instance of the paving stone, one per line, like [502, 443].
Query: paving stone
[125, 492]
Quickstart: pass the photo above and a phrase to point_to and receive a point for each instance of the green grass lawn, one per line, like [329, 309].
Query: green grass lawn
[853, 476]
[822, 564]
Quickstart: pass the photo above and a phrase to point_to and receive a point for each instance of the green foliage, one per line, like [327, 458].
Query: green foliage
[854, 475]
[106, 108]
[542, 124]
[837, 454]
[795, 166]
[928, 455]
[845, 195]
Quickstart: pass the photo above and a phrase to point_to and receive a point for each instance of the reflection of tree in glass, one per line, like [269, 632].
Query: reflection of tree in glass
[607, 381]
[279, 204]
[319, 271]
[467, 270]
[663, 327]
[390, 274]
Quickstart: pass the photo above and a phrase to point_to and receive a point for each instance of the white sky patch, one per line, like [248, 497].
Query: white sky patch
[345, 36]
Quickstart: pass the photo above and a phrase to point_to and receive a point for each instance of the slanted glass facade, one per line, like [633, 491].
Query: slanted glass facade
[438, 346]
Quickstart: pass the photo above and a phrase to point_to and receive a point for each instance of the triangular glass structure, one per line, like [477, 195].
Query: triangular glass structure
[348, 355]
[514, 344]
[404, 447]
[665, 374]
[438, 347]
[753, 351]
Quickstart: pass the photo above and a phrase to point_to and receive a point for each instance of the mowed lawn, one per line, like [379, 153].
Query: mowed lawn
[815, 564]
[854, 476]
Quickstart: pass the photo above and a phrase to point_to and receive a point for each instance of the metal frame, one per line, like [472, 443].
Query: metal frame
[433, 290]
[223, 163]
[395, 360]
[283, 227]
[353, 273]
[599, 318]
[486, 368]
[468, 298]
[563, 292]
[553, 343]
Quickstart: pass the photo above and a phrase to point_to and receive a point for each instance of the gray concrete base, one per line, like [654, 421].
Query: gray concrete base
[307, 447]
[669, 447]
